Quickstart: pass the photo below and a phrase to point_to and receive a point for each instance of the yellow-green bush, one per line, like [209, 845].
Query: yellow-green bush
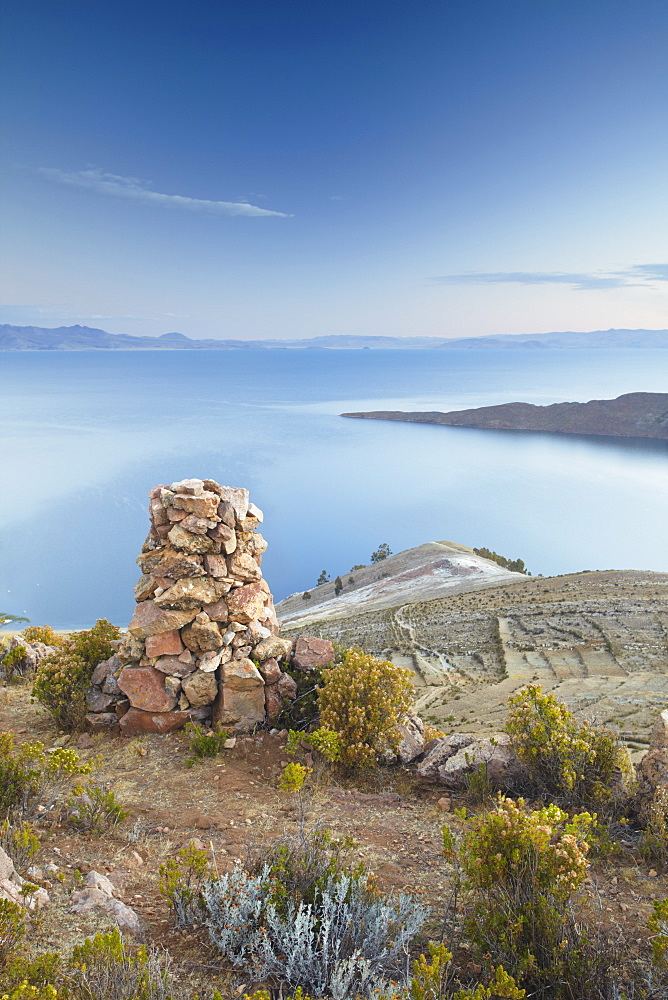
[522, 872]
[30, 777]
[12, 928]
[362, 701]
[42, 633]
[64, 677]
[574, 762]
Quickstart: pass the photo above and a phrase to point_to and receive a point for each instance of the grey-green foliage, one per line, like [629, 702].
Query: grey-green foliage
[348, 942]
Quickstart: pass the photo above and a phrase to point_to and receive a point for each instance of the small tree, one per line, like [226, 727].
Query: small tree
[338, 586]
[306, 596]
[382, 552]
[323, 578]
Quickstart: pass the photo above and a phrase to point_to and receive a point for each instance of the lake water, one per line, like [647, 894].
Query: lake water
[85, 435]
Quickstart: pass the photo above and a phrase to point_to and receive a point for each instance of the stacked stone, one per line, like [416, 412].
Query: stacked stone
[203, 641]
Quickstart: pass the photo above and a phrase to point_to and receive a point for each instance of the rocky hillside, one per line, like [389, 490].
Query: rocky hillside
[635, 414]
[428, 571]
[599, 640]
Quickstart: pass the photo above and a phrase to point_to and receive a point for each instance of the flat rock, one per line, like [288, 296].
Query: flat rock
[241, 675]
[175, 666]
[245, 709]
[217, 611]
[243, 566]
[441, 751]
[202, 637]
[175, 564]
[273, 648]
[101, 720]
[312, 652]
[246, 603]
[164, 644]
[137, 723]
[193, 544]
[190, 592]
[97, 701]
[203, 505]
[149, 619]
[145, 687]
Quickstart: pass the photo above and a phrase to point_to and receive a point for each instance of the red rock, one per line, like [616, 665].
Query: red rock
[202, 638]
[226, 514]
[287, 687]
[164, 644]
[198, 525]
[136, 723]
[312, 652]
[226, 536]
[217, 612]
[270, 670]
[149, 619]
[242, 566]
[245, 603]
[241, 675]
[215, 565]
[145, 687]
[193, 544]
[204, 505]
[273, 702]
[175, 515]
[174, 665]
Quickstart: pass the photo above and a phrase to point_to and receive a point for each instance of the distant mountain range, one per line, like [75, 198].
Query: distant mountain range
[86, 338]
[635, 414]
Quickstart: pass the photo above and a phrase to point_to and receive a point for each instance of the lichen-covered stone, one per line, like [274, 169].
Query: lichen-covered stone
[145, 688]
[312, 652]
[165, 644]
[245, 603]
[149, 619]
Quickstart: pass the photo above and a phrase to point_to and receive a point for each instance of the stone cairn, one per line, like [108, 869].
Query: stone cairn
[204, 639]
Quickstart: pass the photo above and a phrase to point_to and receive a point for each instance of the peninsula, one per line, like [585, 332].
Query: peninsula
[635, 414]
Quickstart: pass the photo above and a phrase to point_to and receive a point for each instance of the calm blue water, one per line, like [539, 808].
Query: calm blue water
[85, 436]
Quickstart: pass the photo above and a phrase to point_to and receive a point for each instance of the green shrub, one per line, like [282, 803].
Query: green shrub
[31, 778]
[363, 700]
[203, 742]
[522, 872]
[574, 762]
[302, 711]
[105, 968]
[181, 881]
[19, 841]
[514, 565]
[653, 843]
[13, 663]
[64, 677]
[12, 928]
[95, 809]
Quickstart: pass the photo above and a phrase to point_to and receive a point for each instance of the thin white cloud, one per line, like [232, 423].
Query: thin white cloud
[133, 189]
[638, 276]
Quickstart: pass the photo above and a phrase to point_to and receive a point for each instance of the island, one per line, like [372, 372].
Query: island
[635, 414]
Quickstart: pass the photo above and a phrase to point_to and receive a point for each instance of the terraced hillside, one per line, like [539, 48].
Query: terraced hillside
[598, 640]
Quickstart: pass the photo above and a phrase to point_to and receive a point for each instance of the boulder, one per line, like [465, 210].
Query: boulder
[175, 564]
[137, 723]
[412, 739]
[177, 666]
[273, 648]
[98, 893]
[243, 566]
[193, 544]
[273, 703]
[312, 652]
[190, 592]
[200, 688]
[149, 619]
[145, 687]
[241, 675]
[202, 637]
[243, 708]
[441, 751]
[270, 670]
[287, 687]
[494, 754]
[245, 604]
[164, 644]
[203, 505]
[10, 886]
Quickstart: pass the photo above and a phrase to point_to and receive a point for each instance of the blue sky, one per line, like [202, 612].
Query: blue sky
[308, 167]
